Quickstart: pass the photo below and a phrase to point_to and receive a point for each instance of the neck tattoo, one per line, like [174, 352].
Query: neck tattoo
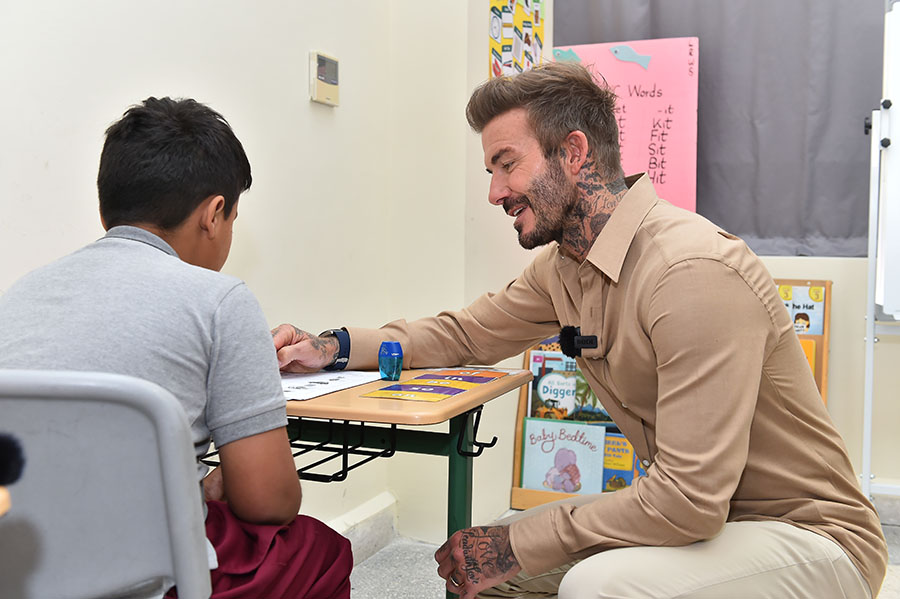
[595, 202]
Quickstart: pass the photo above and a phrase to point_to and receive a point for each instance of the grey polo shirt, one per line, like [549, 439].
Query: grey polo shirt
[127, 304]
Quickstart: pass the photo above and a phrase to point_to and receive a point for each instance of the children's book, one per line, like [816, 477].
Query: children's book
[620, 465]
[562, 456]
[809, 350]
[560, 391]
[806, 305]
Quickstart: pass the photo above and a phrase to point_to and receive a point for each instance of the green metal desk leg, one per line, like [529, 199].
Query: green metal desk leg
[459, 487]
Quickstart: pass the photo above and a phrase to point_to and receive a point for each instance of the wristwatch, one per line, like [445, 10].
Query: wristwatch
[343, 356]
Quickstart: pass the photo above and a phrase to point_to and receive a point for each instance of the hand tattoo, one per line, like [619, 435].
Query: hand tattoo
[328, 347]
[487, 553]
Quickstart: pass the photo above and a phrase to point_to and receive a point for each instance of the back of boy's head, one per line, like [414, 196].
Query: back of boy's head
[12, 461]
[163, 158]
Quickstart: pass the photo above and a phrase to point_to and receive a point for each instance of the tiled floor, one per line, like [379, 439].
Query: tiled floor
[406, 569]
[891, 587]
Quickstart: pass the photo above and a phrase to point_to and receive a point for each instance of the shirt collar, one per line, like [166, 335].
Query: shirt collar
[142, 235]
[611, 246]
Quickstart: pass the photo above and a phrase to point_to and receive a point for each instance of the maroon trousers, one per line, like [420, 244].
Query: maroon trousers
[302, 560]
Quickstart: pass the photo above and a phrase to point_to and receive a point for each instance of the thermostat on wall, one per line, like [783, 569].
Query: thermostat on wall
[323, 78]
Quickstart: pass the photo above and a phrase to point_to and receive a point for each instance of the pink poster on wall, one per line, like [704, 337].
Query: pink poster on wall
[656, 85]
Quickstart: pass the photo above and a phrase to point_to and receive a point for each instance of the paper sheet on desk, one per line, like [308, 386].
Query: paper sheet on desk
[306, 386]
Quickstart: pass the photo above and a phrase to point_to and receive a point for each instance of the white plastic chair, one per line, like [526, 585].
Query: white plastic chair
[108, 504]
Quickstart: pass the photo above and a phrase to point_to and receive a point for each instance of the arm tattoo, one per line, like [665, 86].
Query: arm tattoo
[487, 552]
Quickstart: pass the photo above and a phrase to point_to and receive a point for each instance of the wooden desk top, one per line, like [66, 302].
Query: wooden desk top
[349, 405]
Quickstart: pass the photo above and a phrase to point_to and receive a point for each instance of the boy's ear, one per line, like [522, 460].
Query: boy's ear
[212, 213]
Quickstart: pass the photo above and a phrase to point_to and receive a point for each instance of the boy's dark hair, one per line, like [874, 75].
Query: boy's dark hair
[12, 461]
[559, 98]
[163, 158]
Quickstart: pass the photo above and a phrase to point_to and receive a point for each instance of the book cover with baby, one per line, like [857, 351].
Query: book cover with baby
[562, 456]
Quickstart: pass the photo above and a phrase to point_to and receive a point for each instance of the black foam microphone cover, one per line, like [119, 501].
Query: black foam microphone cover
[567, 336]
[571, 341]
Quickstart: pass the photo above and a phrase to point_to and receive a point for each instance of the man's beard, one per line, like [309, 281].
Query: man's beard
[551, 198]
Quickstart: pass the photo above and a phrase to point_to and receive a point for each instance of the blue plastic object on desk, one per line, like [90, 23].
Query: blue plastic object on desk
[390, 360]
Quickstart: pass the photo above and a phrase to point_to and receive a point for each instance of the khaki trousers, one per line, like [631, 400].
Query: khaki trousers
[747, 560]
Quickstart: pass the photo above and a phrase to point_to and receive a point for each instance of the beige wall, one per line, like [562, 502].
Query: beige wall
[491, 257]
[341, 196]
[846, 361]
[393, 169]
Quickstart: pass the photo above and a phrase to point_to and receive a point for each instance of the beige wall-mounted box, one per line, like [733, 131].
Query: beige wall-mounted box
[323, 79]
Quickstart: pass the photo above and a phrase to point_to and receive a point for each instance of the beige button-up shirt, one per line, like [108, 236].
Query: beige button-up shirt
[699, 366]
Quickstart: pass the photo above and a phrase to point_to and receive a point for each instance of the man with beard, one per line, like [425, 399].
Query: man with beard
[749, 490]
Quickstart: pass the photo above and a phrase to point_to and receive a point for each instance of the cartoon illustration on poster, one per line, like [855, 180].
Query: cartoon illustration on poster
[516, 34]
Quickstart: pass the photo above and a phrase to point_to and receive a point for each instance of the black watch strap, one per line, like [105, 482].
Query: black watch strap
[343, 355]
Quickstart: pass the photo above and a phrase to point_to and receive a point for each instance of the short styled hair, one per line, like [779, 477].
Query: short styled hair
[163, 158]
[559, 97]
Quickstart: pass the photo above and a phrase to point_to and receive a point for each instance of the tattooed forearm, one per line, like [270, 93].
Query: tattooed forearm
[487, 553]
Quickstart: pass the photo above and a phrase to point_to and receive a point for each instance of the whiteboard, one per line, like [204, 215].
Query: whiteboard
[887, 278]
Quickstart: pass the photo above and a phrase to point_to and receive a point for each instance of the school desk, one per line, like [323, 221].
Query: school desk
[352, 430]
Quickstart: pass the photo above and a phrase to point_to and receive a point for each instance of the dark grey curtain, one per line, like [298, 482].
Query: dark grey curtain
[785, 86]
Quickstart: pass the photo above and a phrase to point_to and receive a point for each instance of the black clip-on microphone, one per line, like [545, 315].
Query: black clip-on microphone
[571, 341]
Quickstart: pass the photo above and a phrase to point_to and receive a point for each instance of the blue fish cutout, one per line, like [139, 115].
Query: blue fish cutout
[565, 56]
[627, 54]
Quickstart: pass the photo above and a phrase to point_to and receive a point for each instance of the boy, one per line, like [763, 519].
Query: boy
[147, 300]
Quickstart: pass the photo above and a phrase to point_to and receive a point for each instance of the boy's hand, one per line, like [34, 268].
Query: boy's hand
[213, 486]
[298, 351]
